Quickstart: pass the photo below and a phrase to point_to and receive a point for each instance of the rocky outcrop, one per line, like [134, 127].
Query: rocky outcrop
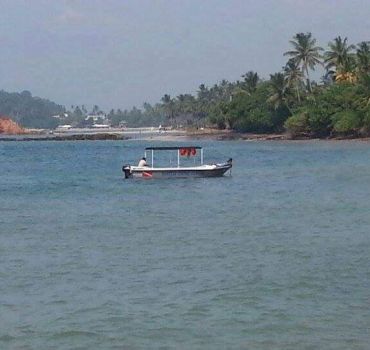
[93, 137]
[77, 137]
[8, 126]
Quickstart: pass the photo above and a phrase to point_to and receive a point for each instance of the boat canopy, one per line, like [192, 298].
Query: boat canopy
[171, 148]
[181, 151]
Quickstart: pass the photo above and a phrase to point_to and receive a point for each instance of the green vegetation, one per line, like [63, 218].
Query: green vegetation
[338, 105]
[29, 111]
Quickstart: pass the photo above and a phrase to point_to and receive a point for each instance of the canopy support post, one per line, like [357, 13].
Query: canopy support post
[152, 158]
[201, 156]
[178, 158]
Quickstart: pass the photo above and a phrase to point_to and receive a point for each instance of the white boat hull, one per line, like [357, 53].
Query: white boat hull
[214, 170]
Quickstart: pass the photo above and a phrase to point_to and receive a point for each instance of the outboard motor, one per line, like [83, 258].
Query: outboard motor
[127, 170]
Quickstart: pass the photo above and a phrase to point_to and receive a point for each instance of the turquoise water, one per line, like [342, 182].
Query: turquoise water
[276, 256]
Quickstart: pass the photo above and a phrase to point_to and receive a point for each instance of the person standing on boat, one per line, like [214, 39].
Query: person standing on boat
[142, 162]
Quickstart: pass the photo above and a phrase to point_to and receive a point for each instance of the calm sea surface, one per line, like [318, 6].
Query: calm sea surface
[276, 256]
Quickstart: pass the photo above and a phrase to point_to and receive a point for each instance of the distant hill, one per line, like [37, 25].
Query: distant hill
[29, 111]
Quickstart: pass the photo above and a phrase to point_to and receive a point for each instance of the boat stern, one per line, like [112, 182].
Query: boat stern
[127, 171]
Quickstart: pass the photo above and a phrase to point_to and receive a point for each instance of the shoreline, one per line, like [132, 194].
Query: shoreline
[171, 135]
[226, 135]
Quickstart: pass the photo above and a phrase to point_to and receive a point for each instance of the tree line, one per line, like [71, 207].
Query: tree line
[338, 104]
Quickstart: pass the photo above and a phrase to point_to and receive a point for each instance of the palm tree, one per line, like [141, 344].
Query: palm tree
[279, 91]
[96, 110]
[305, 53]
[214, 93]
[203, 95]
[339, 57]
[251, 80]
[226, 89]
[365, 83]
[363, 57]
[293, 76]
[203, 92]
[168, 105]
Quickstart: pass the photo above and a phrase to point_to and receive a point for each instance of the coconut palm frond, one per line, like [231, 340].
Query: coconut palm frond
[306, 54]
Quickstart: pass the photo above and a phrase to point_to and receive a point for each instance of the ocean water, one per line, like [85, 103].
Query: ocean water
[276, 256]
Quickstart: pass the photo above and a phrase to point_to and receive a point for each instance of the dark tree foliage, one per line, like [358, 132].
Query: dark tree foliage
[29, 111]
[340, 109]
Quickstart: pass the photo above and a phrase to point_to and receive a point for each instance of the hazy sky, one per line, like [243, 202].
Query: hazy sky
[120, 53]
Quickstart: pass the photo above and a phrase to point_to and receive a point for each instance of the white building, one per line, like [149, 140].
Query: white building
[95, 117]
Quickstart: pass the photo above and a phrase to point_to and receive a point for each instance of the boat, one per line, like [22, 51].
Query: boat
[177, 171]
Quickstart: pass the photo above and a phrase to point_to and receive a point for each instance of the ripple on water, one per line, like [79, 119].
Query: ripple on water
[274, 257]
